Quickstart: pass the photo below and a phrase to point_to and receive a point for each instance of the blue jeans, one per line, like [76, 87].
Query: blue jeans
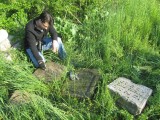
[47, 45]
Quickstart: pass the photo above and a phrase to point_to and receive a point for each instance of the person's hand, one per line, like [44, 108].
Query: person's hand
[55, 46]
[42, 65]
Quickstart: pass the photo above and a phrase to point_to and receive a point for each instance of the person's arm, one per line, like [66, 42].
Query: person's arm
[32, 44]
[53, 32]
[54, 36]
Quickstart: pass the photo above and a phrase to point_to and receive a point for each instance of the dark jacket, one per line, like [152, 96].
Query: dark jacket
[33, 36]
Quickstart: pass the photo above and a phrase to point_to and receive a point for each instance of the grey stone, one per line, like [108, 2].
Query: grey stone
[54, 71]
[3, 35]
[4, 41]
[85, 85]
[7, 41]
[5, 45]
[133, 97]
[20, 97]
[23, 97]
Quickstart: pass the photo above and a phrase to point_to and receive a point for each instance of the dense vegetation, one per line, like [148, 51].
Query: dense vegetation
[117, 37]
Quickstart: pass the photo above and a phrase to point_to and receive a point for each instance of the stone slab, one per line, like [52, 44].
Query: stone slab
[133, 97]
[3, 35]
[5, 45]
[54, 71]
[4, 41]
[20, 97]
[83, 87]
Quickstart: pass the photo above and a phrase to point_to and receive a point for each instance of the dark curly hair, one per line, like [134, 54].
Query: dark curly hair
[46, 17]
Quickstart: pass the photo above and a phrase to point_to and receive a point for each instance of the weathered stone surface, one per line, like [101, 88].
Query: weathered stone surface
[7, 41]
[54, 71]
[5, 45]
[4, 42]
[83, 87]
[20, 97]
[3, 35]
[133, 97]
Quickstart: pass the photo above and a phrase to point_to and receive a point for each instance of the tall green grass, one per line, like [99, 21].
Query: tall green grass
[122, 39]
[119, 38]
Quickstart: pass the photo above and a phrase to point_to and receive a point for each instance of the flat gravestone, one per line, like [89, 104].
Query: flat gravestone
[133, 97]
[83, 87]
[54, 71]
[20, 97]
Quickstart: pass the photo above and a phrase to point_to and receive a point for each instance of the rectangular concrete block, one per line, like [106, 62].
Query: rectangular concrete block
[133, 97]
[83, 87]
